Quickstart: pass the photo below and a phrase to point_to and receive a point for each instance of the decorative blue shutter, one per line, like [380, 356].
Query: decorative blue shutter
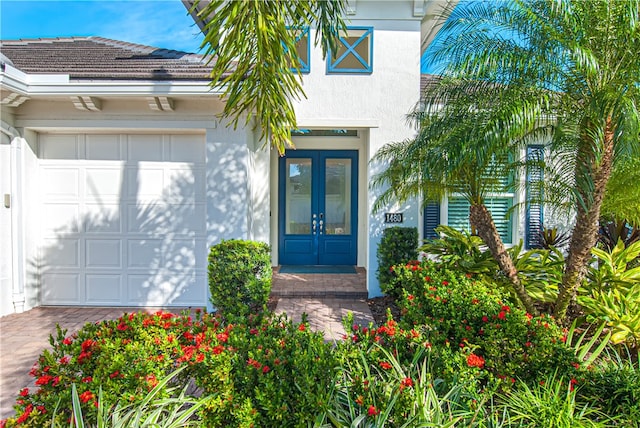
[534, 208]
[431, 220]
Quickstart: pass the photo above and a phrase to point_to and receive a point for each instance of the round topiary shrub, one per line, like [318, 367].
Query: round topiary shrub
[239, 276]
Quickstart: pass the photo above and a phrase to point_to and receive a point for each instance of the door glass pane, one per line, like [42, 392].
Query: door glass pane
[337, 203]
[298, 197]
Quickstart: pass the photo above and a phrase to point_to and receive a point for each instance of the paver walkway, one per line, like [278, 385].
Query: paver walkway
[326, 299]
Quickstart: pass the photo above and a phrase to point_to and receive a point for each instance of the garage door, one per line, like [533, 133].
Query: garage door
[123, 220]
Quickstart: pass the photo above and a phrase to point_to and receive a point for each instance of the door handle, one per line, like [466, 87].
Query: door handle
[321, 224]
[313, 226]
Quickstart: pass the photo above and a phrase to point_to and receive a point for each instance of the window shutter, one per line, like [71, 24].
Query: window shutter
[458, 215]
[431, 220]
[534, 208]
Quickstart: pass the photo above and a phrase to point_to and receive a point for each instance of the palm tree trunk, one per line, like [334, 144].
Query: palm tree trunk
[481, 220]
[585, 231]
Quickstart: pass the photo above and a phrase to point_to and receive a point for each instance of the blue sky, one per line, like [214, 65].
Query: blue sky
[158, 23]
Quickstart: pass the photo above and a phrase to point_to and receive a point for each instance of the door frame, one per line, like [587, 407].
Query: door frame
[359, 143]
[318, 248]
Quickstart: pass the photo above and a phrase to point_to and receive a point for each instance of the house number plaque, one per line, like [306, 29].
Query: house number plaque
[393, 217]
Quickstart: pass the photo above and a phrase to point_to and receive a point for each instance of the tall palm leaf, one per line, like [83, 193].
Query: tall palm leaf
[252, 46]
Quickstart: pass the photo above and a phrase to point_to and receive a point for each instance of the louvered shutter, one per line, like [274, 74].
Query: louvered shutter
[534, 208]
[458, 215]
[431, 220]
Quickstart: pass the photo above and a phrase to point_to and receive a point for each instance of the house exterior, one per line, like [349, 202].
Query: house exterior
[117, 173]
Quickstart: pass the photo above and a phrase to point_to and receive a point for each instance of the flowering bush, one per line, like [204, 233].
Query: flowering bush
[265, 373]
[244, 370]
[386, 372]
[477, 317]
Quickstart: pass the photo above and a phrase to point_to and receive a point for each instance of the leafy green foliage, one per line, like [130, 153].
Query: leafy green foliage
[172, 412]
[380, 387]
[613, 292]
[613, 385]
[460, 250]
[552, 237]
[266, 373]
[551, 403]
[398, 245]
[252, 48]
[244, 370]
[473, 314]
[239, 276]
[623, 193]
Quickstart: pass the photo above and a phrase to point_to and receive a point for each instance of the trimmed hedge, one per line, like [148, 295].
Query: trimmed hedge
[397, 246]
[239, 276]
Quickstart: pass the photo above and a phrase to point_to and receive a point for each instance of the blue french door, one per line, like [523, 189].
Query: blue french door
[318, 204]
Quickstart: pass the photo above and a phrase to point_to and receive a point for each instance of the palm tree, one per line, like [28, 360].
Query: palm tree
[462, 149]
[579, 61]
[252, 46]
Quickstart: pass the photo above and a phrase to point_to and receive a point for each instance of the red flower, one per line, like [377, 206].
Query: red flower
[302, 327]
[64, 360]
[87, 379]
[407, 382]
[410, 297]
[24, 392]
[87, 344]
[114, 374]
[25, 414]
[474, 301]
[502, 315]
[44, 380]
[360, 400]
[474, 360]
[151, 380]
[217, 349]
[265, 369]
[427, 278]
[485, 319]
[86, 396]
[122, 326]
[385, 365]
[67, 341]
[372, 411]
[222, 337]
[572, 384]
[445, 283]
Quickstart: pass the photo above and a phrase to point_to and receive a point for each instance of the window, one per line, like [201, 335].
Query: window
[499, 202]
[303, 49]
[354, 53]
[458, 215]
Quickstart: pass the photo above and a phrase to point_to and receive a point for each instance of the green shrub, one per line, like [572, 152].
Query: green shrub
[262, 371]
[239, 276]
[125, 358]
[398, 245]
[475, 315]
[613, 385]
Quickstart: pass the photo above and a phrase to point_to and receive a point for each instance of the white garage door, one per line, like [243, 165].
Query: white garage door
[123, 220]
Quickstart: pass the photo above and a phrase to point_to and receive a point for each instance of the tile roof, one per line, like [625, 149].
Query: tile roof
[97, 58]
